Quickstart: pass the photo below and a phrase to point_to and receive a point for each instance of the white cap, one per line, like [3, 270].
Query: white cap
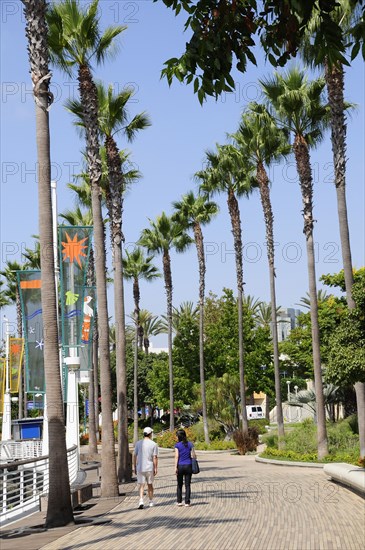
[147, 431]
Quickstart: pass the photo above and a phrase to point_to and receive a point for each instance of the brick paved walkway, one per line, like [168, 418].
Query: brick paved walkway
[237, 504]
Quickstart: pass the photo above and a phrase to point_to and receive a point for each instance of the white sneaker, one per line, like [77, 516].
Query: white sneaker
[140, 505]
[179, 504]
[151, 503]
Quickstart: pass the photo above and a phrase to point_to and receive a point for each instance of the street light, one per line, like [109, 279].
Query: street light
[299, 412]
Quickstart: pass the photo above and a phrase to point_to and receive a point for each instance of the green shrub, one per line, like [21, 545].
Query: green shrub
[260, 424]
[270, 440]
[246, 441]
[168, 439]
[341, 437]
[352, 421]
[215, 445]
[216, 431]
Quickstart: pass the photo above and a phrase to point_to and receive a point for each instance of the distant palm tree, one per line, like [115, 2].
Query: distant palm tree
[151, 325]
[137, 266]
[228, 172]
[75, 39]
[32, 256]
[161, 237]
[186, 312]
[4, 301]
[306, 302]
[59, 509]
[194, 212]
[298, 105]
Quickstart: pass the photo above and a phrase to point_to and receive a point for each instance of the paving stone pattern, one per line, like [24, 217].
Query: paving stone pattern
[237, 504]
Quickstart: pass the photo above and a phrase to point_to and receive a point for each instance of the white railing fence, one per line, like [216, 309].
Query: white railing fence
[20, 450]
[22, 482]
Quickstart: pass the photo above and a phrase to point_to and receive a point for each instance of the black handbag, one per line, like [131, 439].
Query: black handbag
[195, 466]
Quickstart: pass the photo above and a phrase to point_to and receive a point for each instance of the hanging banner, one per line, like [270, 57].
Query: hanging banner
[74, 247]
[2, 383]
[16, 350]
[30, 296]
[87, 328]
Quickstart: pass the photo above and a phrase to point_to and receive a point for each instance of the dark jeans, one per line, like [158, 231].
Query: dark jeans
[183, 474]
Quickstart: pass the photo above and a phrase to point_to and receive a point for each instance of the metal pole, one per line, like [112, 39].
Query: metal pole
[6, 426]
[289, 411]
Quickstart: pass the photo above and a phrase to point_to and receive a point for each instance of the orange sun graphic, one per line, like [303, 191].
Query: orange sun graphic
[15, 349]
[73, 249]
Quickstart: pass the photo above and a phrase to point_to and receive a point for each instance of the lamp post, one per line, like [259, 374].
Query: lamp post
[299, 411]
[6, 427]
[289, 412]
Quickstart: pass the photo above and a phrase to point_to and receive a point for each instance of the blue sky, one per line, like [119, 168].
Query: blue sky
[168, 154]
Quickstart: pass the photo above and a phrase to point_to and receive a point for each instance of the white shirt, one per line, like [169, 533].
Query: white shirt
[145, 450]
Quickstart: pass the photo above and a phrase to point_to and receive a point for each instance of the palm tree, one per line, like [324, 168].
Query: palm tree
[137, 266]
[32, 256]
[75, 39]
[187, 312]
[59, 510]
[298, 106]
[113, 119]
[164, 235]
[263, 142]
[316, 52]
[4, 301]
[229, 173]
[194, 212]
[150, 325]
[13, 296]
[306, 302]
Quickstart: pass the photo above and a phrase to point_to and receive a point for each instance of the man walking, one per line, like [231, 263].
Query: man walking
[145, 465]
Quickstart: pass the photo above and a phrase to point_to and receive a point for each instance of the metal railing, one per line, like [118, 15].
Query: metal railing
[20, 450]
[23, 482]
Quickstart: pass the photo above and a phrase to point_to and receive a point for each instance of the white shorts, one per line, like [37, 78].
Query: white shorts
[145, 477]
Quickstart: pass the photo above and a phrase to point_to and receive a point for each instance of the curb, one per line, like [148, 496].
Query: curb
[288, 463]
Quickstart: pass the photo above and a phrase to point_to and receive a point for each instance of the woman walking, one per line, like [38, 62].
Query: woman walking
[184, 452]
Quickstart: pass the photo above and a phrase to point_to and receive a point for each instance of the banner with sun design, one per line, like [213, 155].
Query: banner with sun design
[29, 283]
[16, 349]
[2, 383]
[74, 247]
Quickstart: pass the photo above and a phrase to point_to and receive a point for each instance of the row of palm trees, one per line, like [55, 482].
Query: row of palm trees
[74, 40]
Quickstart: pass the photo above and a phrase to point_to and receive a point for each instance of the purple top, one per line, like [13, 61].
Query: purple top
[184, 452]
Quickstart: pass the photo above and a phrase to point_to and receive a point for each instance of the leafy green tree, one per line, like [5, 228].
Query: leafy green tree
[59, 509]
[75, 39]
[151, 325]
[298, 105]
[164, 235]
[196, 212]
[223, 37]
[229, 172]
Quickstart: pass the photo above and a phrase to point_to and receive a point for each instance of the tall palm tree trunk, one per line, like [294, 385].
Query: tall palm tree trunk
[116, 191]
[88, 95]
[59, 510]
[306, 183]
[135, 366]
[263, 182]
[335, 87]
[199, 241]
[168, 287]
[237, 238]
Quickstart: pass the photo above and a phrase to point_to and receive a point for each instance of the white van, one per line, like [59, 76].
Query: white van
[254, 411]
